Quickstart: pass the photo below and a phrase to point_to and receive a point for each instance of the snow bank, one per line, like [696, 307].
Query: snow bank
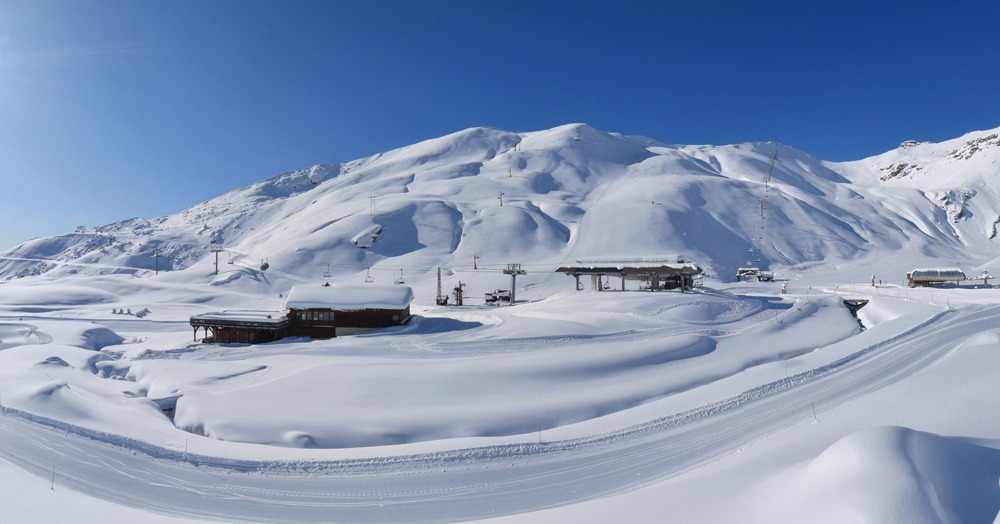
[888, 475]
[880, 309]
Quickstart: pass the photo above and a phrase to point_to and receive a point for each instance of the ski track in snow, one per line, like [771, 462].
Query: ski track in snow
[478, 482]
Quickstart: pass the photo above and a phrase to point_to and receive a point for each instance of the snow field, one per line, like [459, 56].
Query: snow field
[587, 380]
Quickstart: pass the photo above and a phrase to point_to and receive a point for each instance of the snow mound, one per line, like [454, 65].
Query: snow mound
[893, 475]
[880, 310]
[98, 338]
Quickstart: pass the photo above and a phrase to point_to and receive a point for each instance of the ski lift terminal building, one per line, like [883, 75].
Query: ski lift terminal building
[656, 272]
[927, 277]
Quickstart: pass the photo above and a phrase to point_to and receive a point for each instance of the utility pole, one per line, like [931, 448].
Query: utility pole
[217, 250]
[513, 270]
[156, 256]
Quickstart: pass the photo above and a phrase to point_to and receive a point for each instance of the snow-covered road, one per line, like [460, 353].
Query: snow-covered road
[464, 484]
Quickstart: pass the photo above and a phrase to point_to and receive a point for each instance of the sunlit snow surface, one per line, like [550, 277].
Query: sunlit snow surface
[637, 395]
[733, 403]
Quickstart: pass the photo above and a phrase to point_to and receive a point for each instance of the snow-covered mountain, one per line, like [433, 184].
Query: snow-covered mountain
[743, 402]
[484, 198]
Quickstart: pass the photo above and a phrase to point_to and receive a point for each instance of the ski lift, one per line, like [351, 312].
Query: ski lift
[400, 279]
[231, 259]
[264, 265]
[368, 275]
[327, 274]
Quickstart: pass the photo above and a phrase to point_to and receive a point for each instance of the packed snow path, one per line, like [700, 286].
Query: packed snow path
[465, 484]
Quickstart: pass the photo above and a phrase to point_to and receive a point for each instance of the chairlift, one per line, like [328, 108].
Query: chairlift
[368, 275]
[400, 279]
[231, 259]
[327, 274]
[264, 265]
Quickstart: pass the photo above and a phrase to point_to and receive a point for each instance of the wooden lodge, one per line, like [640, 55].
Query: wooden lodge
[330, 311]
[313, 311]
[656, 273]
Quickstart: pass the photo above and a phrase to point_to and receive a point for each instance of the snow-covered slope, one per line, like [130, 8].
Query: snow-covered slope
[957, 177]
[484, 198]
[744, 402]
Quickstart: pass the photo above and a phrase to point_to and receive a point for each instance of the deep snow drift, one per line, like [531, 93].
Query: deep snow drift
[738, 402]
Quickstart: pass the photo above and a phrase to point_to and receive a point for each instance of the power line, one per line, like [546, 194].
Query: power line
[757, 238]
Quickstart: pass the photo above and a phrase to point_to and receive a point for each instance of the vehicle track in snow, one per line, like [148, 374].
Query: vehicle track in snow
[464, 484]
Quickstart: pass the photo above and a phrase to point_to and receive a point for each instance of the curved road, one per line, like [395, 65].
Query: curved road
[470, 483]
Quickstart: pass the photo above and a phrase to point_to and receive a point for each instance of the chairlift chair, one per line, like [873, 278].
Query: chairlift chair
[368, 275]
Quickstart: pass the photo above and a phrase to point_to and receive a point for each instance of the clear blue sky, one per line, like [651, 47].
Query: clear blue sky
[111, 109]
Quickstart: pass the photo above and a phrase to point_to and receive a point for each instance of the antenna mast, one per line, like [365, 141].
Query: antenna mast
[440, 299]
[757, 240]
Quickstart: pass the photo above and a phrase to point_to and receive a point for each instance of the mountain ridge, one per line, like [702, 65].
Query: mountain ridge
[488, 197]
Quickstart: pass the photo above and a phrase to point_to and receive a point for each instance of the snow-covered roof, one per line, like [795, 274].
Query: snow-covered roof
[632, 260]
[270, 317]
[949, 273]
[623, 262]
[349, 297]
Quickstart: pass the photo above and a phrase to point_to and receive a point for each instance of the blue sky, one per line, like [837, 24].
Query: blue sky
[112, 109]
